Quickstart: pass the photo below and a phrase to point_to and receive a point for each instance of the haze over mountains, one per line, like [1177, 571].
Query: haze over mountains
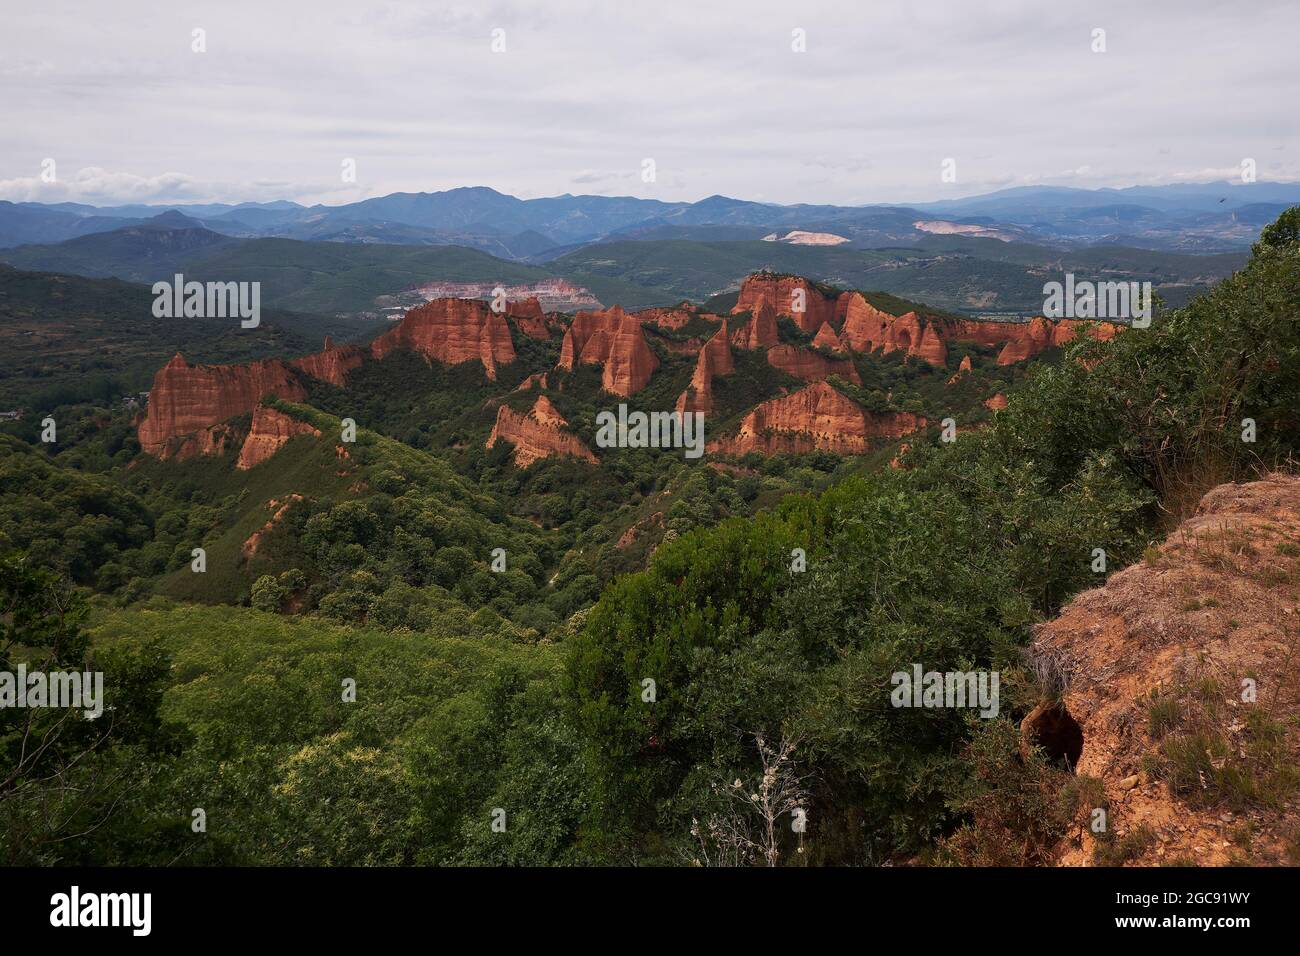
[1208, 217]
[979, 254]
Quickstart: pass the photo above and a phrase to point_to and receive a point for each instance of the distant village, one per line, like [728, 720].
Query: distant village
[136, 401]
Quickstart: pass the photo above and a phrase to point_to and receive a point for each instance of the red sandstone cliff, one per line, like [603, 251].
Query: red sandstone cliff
[529, 317]
[827, 339]
[630, 363]
[814, 418]
[759, 332]
[270, 431]
[188, 403]
[673, 318]
[867, 328]
[780, 294]
[452, 331]
[538, 434]
[333, 364]
[809, 365]
[613, 339]
[714, 359]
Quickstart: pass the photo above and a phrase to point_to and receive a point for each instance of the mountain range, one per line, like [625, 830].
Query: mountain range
[968, 268]
[1204, 217]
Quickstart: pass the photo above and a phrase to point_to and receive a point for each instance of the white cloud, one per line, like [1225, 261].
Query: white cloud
[713, 92]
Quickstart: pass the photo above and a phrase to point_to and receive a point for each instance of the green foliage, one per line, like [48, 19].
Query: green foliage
[65, 778]
[944, 565]
[443, 730]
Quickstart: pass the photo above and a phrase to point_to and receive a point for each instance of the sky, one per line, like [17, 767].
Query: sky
[577, 96]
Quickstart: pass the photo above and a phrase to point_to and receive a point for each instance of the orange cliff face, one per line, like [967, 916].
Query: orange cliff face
[630, 363]
[613, 339]
[270, 431]
[538, 434]
[760, 332]
[827, 339]
[188, 402]
[714, 359]
[452, 331]
[814, 418]
[784, 295]
[867, 329]
[673, 318]
[1024, 340]
[333, 364]
[809, 365]
[530, 319]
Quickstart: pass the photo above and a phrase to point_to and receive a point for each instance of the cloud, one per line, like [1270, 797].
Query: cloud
[96, 186]
[714, 92]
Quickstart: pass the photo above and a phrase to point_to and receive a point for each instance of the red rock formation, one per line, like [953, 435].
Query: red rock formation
[213, 440]
[996, 403]
[1023, 340]
[188, 402]
[827, 339]
[1027, 341]
[962, 369]
[760, 332]
[718, 349]
[452, 331]
[931, 348]
[865, 327]
[673, 318]
[587, 338]
[779, 294]
[270, 431]
[536, 380]
[897, 460]
[530, 318]
[614, 339]
[537, 435]
[630, 363]
[714, 359]
[331, 365]
[813, 418]
[809, 365]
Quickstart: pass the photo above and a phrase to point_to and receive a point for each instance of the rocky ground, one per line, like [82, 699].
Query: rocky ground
[1181, 672]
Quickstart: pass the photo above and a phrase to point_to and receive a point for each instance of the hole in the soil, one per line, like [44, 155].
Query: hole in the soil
[1050, 726]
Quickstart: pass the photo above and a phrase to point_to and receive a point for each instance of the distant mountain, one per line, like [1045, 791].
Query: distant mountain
[141, 252]
[970, 268]
[1206, 217]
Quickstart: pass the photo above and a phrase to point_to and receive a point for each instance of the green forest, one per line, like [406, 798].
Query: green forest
[373, 692]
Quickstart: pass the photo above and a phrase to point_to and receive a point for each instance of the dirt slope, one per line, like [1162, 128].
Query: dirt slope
[1194, 768]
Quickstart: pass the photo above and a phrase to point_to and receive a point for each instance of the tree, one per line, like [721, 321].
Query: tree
[750, 829]
[63, 777]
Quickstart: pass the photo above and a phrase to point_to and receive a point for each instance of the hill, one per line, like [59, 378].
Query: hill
[67, 339]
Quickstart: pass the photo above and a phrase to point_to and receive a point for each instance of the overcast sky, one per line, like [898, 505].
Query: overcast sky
[584, 92]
